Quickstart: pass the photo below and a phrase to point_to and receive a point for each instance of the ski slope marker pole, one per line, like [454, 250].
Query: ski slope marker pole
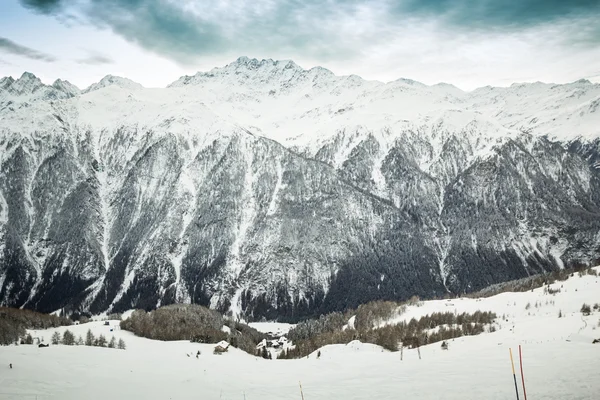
[522, 375]
[301, 393]
[513, 370]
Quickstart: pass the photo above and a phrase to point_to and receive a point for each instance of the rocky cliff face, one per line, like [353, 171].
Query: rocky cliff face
[268, 190]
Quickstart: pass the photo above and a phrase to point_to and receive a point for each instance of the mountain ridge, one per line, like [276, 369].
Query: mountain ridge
[271, 191]
[246, 61]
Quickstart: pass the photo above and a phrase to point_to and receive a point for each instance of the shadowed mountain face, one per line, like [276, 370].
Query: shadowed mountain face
[124, 197]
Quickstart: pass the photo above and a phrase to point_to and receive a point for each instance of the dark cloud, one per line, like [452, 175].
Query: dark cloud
[159, 26]
[324, 29]
[95, 59]
[499, 14]
[44, 6]
[8, 46]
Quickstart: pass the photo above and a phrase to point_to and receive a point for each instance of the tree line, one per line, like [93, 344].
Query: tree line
[14, 323]
[68, 339]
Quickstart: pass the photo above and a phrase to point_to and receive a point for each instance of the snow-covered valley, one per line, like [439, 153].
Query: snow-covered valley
[559, 360]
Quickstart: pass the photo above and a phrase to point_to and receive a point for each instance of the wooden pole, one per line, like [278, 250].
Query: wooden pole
[522, 374]
[301, 394]
[513, 370]
[419, 351]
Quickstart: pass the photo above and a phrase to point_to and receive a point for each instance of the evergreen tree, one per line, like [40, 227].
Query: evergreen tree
[80, 341]
[121, 344]
[101, 341]
[28, 339]
[112, 344]
[89, 338]
[55, 338]
[68, 338]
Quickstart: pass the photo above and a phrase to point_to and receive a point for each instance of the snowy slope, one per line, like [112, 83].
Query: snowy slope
[262, 178]
[559, 362]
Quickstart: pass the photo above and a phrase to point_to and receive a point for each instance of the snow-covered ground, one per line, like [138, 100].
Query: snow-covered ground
[276, 328]
[560, 361]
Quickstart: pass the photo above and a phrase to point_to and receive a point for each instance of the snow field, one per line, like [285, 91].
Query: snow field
[560, 362]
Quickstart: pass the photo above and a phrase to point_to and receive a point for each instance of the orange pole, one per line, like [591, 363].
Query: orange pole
[522, 375]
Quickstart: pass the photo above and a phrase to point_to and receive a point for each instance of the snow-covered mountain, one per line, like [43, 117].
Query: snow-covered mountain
[275, 191]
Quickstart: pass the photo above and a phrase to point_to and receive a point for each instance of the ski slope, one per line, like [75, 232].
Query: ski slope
[560, 361]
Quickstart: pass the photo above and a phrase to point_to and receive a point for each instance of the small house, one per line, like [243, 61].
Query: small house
[221, 347]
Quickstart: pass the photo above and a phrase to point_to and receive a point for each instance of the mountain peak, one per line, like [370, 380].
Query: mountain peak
[254, 63]
[66, 87]
[410, 82]
[245, 70]
[112, 80]
[28, 76]
[26, 84]
[6, 82]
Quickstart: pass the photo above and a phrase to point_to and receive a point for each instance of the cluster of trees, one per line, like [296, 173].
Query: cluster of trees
[428, 329]
[586, 309]
[14, 322]
[68, 339]
[368, 315]
[194, 323]
[243, 336]
[328, 323]
[177, 322]
[264, 353]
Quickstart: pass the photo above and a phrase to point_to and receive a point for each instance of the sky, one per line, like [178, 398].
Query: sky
[468, 43]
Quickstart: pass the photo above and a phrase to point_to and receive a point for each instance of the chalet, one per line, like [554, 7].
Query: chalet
[221, 347]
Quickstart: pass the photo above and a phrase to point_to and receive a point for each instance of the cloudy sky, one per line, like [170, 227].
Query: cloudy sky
[469, 43]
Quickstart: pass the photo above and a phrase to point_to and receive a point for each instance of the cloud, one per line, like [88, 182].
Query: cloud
[8, 46]
[186, 30]
[44, 6]
[506, 15]
[95, 58]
